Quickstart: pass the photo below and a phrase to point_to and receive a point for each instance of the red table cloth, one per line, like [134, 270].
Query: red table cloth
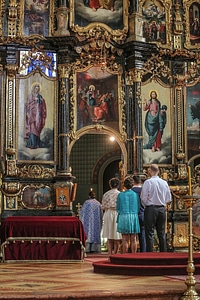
[40, 238]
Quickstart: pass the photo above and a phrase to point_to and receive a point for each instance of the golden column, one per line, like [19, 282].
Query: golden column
[190, 293]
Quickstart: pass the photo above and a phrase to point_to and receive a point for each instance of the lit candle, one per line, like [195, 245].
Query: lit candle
[189, 181]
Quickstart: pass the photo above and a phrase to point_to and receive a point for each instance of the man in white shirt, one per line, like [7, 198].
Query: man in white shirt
[155, 195]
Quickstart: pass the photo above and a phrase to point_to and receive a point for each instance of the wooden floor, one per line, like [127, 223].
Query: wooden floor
[78, 281]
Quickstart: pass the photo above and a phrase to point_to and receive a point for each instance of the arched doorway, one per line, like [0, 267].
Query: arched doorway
[112, 170]
[107, 170]
[94, 158]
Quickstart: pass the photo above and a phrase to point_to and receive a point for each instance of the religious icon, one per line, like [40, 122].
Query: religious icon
[62, 196]
[36, 17]
[36, 197]
[35, 117]
[107, 12]
[97, 98]
[157, 142]
[36, 113]
[155, 121]
[194, 15]
[154, 21]
[193, 119]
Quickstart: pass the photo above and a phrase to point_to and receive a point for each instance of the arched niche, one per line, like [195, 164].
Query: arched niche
[91, 153]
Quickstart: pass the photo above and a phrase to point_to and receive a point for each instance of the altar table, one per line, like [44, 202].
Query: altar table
[42, 238]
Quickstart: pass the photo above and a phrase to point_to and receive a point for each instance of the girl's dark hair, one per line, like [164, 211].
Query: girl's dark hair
[114, 182]
[128, 182]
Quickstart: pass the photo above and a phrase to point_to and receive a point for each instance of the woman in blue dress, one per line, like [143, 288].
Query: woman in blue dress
[128, 205]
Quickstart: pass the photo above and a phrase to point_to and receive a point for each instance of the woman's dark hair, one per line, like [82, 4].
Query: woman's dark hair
[114, 183]
[128, 182]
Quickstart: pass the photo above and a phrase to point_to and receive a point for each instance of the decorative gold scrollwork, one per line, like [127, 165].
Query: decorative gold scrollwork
[36, 171]
[11, 188]
[10, 202]
[98, 52]
[36, 54]
[12, 18]
[156, 67]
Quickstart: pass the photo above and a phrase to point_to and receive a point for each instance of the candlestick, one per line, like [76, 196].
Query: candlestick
[190, 293]
[189, 181]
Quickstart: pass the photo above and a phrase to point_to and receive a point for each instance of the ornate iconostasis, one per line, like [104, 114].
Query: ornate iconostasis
[75, 72]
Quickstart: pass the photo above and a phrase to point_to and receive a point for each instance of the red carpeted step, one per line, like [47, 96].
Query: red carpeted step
[153, 258]
[147, 264]
[106, 267]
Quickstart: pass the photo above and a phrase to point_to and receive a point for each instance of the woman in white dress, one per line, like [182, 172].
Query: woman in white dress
[110, 216]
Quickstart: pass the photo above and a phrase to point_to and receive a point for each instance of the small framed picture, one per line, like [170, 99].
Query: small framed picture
[62, 196]
[35, 17]
[36, 197]
[192, 27]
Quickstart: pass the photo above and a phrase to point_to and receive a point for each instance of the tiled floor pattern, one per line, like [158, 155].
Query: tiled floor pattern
[78, 281]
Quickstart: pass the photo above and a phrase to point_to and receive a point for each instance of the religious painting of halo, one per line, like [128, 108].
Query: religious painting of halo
[36, 143]
[99, 100]
[157, 110]
[191, 15]
[98, 104]
[112, 19]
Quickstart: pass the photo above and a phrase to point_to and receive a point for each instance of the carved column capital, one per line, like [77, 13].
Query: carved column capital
[133, 75]
[11, 71]
[180, 81]
[64, 71]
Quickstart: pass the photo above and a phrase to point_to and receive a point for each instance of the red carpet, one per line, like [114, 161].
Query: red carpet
[147, 264]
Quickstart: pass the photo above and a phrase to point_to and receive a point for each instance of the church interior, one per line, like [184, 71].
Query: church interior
[76, 77]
